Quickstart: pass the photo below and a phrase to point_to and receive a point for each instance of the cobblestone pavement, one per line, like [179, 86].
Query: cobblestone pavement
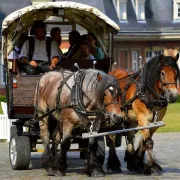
[166, 149]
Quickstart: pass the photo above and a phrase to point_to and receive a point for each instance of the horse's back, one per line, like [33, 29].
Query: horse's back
[119, 73]
[47, 88]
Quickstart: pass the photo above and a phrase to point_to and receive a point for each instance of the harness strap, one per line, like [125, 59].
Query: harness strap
[64, 82]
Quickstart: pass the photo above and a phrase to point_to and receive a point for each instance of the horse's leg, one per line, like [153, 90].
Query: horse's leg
[94, 168]
[113, 162]
[60, 164]
[55, 141]
[130, 145]
[151, 161]
[47, 158]
[152, 167]
[146, 143]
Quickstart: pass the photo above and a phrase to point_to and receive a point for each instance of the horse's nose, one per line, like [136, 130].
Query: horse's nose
[117, 119]
[173, 98]
[173, 95]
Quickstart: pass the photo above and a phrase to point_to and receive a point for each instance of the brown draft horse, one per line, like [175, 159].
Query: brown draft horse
[73, 98]
[145, 97]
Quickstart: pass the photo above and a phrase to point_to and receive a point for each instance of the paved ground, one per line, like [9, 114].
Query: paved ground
[167, 151]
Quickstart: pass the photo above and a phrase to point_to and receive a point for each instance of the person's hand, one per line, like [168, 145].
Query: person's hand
[33, 63]
[54, 61]
[52, 66]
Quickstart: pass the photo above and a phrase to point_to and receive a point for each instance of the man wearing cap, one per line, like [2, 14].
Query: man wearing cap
[74, 38]
[37, 54]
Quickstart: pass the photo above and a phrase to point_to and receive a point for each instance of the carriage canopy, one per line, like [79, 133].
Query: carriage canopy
[90, 18]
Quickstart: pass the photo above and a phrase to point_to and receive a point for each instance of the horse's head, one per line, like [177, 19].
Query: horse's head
[110, 99]
[111, 105]
[103, 90]
[167, 82]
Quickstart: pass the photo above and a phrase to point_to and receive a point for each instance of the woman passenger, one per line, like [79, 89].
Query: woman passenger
[94, 50]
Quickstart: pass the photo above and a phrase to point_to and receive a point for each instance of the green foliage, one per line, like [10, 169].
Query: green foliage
[172, 118]
[2, 99]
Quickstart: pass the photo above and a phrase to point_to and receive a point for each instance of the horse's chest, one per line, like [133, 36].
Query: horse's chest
[132, 115]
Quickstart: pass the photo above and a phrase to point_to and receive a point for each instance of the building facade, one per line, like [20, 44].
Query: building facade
[147, 28]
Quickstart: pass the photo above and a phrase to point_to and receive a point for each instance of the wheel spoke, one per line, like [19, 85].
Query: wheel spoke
[13, 151]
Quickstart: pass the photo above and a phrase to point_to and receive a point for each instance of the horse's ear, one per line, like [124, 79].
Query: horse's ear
[99, 77]
[175, 58]
[161, 58]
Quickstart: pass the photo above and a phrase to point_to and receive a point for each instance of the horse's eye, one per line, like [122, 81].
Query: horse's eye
[162, 74]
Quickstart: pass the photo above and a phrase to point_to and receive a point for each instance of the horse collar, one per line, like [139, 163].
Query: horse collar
[77, 97]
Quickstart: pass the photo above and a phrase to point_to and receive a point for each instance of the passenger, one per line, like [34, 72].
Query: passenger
[13, 56]
[56, 37]
[74, 38]
[77, 55]
[17, 48]
[94, 50]
[38, 54]
[84, 51]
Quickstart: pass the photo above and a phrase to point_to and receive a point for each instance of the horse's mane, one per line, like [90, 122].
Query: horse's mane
[100, 87]
[151, 70]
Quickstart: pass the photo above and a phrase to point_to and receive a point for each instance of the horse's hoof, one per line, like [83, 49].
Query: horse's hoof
[50, 172]
[147, 170]
[116, 170]
[129, 167]
[59, 173]
[139, 166]
[97, 173]
[130, 159]
[156, 169]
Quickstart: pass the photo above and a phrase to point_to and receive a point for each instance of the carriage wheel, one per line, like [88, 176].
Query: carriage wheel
[19, 152]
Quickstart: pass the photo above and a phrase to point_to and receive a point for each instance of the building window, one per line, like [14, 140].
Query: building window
[121, 7]
[176, 9]
[40, 1]
[135, 59]
[140, 10]
[150, 54]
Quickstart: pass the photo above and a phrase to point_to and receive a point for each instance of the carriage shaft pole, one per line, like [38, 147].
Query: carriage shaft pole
[151, 125]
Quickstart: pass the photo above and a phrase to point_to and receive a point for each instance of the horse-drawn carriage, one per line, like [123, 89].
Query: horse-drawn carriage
[20, 88]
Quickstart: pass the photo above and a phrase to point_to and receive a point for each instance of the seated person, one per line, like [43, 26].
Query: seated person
[37, 54]
[94, 50]
[77, 55]
[83, 52]
[56, 37]
[13, 56]
[74, 37]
